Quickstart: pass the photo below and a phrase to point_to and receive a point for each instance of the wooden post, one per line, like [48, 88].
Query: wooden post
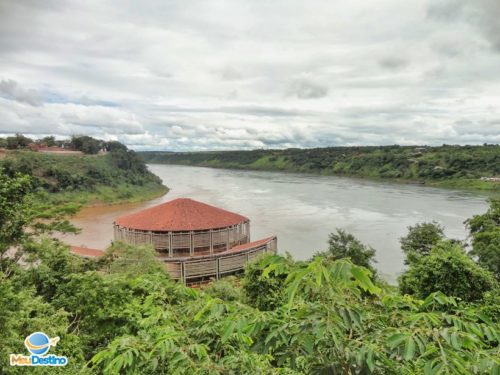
[183, 273]
[211, 242]
[227, 238]
[170, 250]
[191, 244]
[217, 269]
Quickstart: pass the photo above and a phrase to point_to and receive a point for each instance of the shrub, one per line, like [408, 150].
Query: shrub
[266, 291]
[345, 245]
[420, 240]
[449, 270]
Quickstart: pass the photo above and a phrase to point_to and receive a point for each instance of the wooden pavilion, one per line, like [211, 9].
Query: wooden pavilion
[197, 241]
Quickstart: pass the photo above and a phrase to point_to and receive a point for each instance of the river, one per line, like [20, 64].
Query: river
[303, 209]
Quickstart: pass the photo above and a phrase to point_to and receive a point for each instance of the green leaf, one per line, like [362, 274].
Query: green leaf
[409, 350]
[396, 339]
[455, 341]
[364, 281]
[309, 344]
[369, 361]
[228, 331]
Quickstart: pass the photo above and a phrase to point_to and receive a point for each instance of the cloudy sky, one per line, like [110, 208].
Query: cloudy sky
[198, 75]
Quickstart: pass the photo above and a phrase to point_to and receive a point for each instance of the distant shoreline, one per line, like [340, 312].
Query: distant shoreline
[455, 167]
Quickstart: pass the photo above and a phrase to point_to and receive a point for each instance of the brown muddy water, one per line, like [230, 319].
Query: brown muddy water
[302, 209]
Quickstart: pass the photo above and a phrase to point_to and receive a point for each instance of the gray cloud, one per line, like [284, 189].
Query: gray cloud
[189, 75]
[10, 89]
[304, 89]
[482, 14]
[393, 62]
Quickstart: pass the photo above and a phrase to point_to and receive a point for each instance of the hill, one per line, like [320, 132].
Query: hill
[444, 166]
[117, 176]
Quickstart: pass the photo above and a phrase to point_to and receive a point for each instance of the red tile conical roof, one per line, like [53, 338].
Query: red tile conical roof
[182, 214]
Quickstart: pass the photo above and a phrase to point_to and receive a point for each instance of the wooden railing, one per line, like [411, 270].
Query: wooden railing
[217, 265]
[194, 241]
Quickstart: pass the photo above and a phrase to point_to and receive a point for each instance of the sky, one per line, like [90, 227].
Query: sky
[191, 75]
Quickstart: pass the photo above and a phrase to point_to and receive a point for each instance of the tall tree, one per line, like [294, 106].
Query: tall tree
[485, 233]
[449, 270]
[420, 240]
[344, 245]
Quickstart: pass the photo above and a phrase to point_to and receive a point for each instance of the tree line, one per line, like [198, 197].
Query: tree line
[84, 143]
[441, 164]
[118, 174]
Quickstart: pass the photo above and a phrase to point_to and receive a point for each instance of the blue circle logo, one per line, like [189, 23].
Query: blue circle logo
[37, 343]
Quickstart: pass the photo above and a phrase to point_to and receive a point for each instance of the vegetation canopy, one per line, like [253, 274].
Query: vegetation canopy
[122, 314]
[119, 175]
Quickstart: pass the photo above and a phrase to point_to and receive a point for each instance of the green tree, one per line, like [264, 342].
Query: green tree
[86, 144]
[112, 146]
[334, 319]
[420, 239]
[344, 245]
[133, 260]
[485, 232]
[18, 141]
[265, 290]
[50, 141]
[25, 216]
[22, 312]
[449, 270]
[14, 204]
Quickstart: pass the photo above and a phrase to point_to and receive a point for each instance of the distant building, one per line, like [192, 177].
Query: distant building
[53, 149]
[491, 179]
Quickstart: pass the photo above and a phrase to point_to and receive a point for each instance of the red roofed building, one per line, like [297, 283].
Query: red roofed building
[196, 240]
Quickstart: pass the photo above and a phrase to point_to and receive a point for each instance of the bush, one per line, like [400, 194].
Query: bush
[266, 291]
[485, 233]
[225, 289]
[449, 270]
[420, 240]
[345, 245]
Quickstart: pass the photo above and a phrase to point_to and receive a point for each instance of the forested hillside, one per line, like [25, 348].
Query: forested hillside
[452, 166]
[115, 176]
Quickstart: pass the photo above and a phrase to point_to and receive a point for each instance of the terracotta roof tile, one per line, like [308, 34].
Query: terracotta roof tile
[86, 252]
[182, 214]
[251, 245]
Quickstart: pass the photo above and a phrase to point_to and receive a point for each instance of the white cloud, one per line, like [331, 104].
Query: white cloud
[192, 75]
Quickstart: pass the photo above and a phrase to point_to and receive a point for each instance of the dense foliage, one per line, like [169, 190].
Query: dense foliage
[122, 315]
[420, 240]
[344, 245]
[119, 175]
[447, 269]
[485, 232]
[460, 166]
[83, 143]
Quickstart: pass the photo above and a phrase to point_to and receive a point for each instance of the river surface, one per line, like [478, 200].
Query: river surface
[303, 209]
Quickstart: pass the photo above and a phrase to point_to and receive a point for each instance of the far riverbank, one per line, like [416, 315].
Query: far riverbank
[447, 166]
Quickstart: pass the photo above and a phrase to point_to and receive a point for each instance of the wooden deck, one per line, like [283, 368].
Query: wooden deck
[214, 266]
[204, 267]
